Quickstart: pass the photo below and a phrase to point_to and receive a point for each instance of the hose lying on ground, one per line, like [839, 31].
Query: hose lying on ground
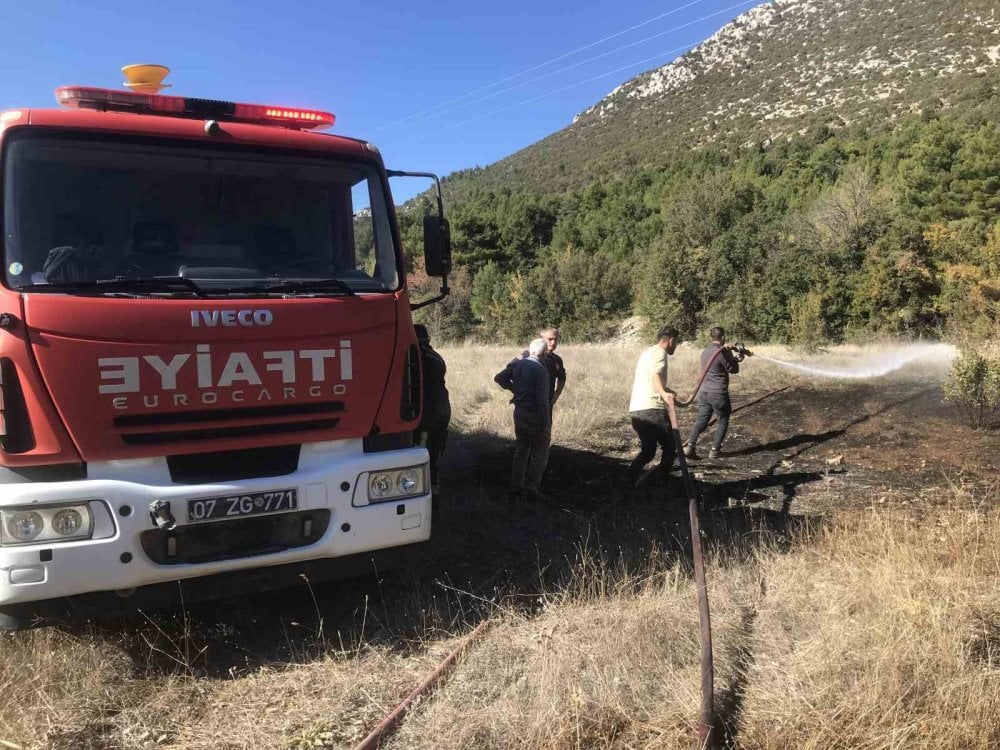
[706, 718]
[390, 722]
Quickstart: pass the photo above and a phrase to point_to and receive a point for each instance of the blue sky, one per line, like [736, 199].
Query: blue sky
[377, 65]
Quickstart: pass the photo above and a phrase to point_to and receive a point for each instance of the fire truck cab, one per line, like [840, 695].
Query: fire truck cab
[208, 369]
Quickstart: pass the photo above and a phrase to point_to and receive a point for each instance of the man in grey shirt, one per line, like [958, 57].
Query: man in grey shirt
[713, 396]
[528, 379]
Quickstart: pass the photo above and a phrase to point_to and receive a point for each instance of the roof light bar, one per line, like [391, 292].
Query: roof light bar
[84, 97]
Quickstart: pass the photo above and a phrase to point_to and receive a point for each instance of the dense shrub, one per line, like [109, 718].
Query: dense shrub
[974, 386]
[450, 319]
[584, 294]
[491, 299]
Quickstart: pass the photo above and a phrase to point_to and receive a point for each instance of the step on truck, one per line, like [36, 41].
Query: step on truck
[208, 368]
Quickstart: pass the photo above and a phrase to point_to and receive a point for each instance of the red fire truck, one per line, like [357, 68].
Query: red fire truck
[208, 369]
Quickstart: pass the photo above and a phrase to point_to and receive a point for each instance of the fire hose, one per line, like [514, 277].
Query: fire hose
[741, 352]
[389, 723]
[706, 718]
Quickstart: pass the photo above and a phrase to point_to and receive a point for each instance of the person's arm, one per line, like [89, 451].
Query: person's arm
[560, 383]
[505, 378]
[729, 361]
[665, 393]
[542, 399]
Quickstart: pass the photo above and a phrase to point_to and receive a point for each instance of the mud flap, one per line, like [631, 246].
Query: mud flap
[12, 619]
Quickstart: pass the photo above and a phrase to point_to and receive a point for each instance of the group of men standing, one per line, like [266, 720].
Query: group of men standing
[536, 378]
[651, 399]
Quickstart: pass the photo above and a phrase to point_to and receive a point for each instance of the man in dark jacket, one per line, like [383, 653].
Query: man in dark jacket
[436, 415]
[553, 363]
[713, 396]
[528, 379]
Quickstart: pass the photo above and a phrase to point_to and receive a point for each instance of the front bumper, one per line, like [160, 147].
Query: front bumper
[331, 481]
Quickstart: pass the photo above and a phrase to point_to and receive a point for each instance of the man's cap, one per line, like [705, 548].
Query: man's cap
[421, 331]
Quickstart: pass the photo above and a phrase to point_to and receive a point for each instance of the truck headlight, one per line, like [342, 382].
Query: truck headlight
[379, 487]
[67, 522]
[22, 525]
[60, 523]
[396, 483]
[407, 481]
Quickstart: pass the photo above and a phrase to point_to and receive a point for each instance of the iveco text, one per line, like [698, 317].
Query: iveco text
[231, 318]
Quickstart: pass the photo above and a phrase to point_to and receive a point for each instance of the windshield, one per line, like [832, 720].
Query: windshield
[80, 212]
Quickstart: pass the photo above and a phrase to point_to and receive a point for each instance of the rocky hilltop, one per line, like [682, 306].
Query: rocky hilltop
[780, 68]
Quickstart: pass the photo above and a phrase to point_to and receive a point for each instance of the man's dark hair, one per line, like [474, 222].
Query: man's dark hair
[717, 333]
[667, 332]
[422, 334]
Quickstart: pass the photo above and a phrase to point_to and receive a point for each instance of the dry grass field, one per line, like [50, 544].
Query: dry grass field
[854, 542]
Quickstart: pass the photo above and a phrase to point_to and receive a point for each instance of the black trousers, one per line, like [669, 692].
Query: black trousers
[434, 437]
[709, 404]
[531, 450]
[653, 428]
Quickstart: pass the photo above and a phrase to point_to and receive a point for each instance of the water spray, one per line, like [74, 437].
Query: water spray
[874, 366]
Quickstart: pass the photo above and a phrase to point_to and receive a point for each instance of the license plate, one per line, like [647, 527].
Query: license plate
[238, 506]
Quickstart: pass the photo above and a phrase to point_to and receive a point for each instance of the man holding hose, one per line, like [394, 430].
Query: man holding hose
[648, 406]
[713, 396]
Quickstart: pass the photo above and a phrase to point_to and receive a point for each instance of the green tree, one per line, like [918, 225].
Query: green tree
[451, 319]
[585, 295]
[974, 386]
[492, 299]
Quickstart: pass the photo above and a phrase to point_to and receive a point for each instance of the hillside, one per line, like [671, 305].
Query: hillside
[778, 69]
[817, 170]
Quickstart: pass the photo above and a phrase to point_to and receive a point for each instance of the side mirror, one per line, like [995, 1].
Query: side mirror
[437, 246]
[437, 240]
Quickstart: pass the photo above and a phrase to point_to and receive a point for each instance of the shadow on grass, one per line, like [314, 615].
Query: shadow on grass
[486, 552]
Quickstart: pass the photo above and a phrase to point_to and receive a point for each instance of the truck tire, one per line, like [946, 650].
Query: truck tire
[13, 620]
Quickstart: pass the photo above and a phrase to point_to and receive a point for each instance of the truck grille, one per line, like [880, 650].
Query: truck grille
[227, 540]
[230, 466]
[214, 424]
[409, 405]
[16, 435]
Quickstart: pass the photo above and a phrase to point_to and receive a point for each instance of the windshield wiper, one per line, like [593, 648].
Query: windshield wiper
[299, 285]
[122, 284]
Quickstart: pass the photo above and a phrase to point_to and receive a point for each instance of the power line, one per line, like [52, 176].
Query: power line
[547, 94]
[541, 65]
[592, 59]
[572, 85]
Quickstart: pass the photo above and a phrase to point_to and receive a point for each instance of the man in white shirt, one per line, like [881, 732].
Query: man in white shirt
[648, 405]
